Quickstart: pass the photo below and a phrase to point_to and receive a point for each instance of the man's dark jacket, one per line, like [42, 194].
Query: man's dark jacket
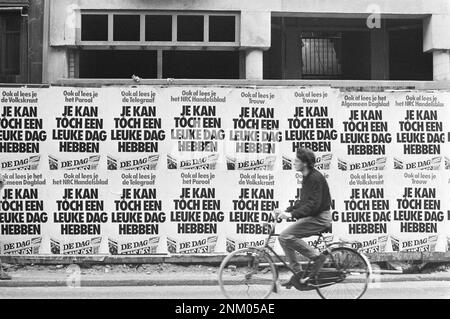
[315, 196]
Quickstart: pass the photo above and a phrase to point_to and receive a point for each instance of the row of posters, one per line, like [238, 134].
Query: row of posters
[149, 170]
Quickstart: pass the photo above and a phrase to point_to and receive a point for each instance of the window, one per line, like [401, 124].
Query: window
[201, 64]
[190, 28]
[127, 27]
[10, 44]
[117, 64]
[222, 28]
[319, 48]
[94, 27]
[321, 54]
[158, 28]
[118, 44]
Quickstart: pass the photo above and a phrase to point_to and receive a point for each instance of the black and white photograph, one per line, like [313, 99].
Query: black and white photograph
[224, 156]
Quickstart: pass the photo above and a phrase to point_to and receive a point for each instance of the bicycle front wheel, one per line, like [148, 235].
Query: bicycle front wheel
[344, 275]
[247, 273]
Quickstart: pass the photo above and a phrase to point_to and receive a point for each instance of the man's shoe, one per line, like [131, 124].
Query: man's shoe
[288, 284]
[318, 263]
[4, 276]
[305, 280]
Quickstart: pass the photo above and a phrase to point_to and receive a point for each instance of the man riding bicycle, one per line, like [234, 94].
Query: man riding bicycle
[312, 212]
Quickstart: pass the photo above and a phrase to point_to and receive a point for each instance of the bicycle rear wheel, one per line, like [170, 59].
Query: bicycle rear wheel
[344, 275]
[247, 273]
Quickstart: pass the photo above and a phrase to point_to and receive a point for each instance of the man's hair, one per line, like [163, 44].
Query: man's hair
[307, 157]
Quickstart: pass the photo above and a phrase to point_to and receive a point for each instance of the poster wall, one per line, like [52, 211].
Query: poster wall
[197, 170]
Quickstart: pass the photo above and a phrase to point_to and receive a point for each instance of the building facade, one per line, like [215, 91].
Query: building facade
[235, 39]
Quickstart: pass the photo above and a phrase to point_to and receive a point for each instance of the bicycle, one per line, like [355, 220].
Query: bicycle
[344, 274]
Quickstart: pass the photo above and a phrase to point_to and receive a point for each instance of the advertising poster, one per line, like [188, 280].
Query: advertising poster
[365, 131]
[195, 205]
[421, 130]
[363, 213]
[78, 212]
[255, 134]
[23, 131]
[137, 213]
[309, 121]
[24, 213]
[137, 125]
[251, 198]
[77, 125]
[419, 218]
[196, 126]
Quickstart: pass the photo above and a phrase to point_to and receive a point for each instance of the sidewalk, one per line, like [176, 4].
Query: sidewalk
[151, 275]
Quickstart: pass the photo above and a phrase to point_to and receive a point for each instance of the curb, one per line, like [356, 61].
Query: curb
[180, 282]
[196, 258]
[109, 283]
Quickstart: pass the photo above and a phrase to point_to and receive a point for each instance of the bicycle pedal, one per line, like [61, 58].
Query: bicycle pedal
[287, 285]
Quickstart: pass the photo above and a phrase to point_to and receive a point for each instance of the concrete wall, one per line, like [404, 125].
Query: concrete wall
[387, 7]
[436, 32]
[254, 13]
[255, 20]
[35, 44]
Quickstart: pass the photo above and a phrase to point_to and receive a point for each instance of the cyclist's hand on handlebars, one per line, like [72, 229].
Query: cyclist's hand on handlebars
[284, 215]
[281, 214]
[277, 212]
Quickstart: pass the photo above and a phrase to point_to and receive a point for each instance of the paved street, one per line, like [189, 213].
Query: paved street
[391, 290]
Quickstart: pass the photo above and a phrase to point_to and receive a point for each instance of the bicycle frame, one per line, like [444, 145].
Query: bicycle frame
[319, 240]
